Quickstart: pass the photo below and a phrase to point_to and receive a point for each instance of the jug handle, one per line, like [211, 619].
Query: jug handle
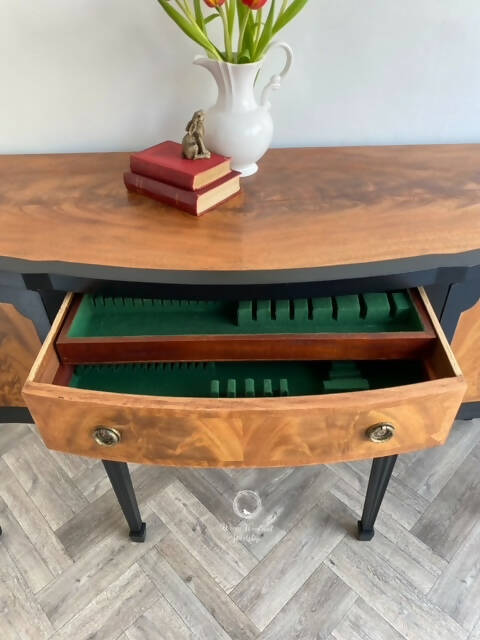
[276, 80]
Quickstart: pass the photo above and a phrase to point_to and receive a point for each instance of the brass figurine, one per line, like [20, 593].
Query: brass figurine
[192, 144]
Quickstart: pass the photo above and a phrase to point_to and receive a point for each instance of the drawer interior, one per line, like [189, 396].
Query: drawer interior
[247, 411]
[100, 316]
[99, 329]
[246, 379]
[105, 344]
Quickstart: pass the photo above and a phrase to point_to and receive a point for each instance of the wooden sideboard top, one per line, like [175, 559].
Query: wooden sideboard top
[305, 209]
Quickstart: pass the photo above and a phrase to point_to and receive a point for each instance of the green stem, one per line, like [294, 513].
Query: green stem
[241, 36]
[231, 11]
[228, 40]
[190, 28]
[183, 4]
[284, 6]
[258, 30]
[180, 5]
[199, 19]
[189, 13]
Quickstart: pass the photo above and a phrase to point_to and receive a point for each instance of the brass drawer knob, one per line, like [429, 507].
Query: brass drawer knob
[106, 436]
[381, 432]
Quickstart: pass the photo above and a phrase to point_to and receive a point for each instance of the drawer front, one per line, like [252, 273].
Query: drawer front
[246, 432]
[243, 432]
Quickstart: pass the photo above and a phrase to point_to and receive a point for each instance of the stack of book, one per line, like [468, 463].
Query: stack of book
[161, 172]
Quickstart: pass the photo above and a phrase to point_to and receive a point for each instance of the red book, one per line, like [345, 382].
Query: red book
[165, 162]
[195, 202]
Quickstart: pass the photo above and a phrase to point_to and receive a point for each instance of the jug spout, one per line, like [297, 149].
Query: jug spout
[207, 63]
[219, 74]
[234, 81]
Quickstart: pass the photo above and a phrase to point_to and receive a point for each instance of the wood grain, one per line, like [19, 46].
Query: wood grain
[19, 346]
[393, 573]
[249, 432]
[325, 594]
[211, 544]
[102, 564]
[305, 208]
[274, 581]
[466, 346]
[200, 621]
[245, 433]
[447, 521]
[390, 593]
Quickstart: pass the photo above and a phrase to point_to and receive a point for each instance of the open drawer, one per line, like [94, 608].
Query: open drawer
[255, 412]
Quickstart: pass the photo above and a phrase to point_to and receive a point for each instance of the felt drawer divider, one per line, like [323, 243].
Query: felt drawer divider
[369, 326]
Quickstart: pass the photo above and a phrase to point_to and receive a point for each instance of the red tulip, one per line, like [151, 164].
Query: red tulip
[254, 4]
[214, 3]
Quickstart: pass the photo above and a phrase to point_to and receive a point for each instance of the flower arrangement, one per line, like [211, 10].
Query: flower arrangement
[243, 19]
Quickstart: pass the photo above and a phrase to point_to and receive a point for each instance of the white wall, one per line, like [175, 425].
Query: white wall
[88, 75]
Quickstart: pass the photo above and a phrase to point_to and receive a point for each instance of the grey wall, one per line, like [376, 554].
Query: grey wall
[116, 74]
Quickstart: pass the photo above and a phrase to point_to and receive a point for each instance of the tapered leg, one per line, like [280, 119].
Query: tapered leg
[377, 485]
[122, 485]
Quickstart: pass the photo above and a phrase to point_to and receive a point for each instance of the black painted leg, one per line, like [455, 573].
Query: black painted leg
[377, 485]
[122, 485]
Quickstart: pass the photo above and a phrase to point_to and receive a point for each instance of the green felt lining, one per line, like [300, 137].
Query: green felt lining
[99, 316]
[246, 379]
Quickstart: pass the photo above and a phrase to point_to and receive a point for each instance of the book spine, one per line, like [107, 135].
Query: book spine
[164, 174]
[185, 200]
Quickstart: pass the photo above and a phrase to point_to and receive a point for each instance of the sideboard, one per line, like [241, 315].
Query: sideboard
[313, 223]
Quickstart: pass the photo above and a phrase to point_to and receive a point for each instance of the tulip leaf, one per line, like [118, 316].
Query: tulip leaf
[288, 15]
[249, 41]
[191, 29]
[244, 58]
[241, 9]
[247, 44]
[231, 15]
[211, 17]
[266, 33]
[199, 15]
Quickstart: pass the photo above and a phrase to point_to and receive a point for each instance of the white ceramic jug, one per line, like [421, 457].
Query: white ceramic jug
[237, 126]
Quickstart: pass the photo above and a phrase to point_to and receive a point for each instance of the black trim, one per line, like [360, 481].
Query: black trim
[52, 282]
[15, 414]
[438, 294]
[469, 411]
[453, 267]
[461, 296]
[29, 304]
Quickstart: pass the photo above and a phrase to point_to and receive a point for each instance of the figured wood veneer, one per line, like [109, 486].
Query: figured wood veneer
[244, 432]
[19, 346]
[265, 432]
[466, 346]
[306, 208]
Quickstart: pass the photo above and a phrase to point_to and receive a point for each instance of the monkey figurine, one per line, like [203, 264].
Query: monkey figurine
[192, 144]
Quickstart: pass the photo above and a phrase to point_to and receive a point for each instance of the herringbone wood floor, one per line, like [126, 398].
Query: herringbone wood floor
[67, 569]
